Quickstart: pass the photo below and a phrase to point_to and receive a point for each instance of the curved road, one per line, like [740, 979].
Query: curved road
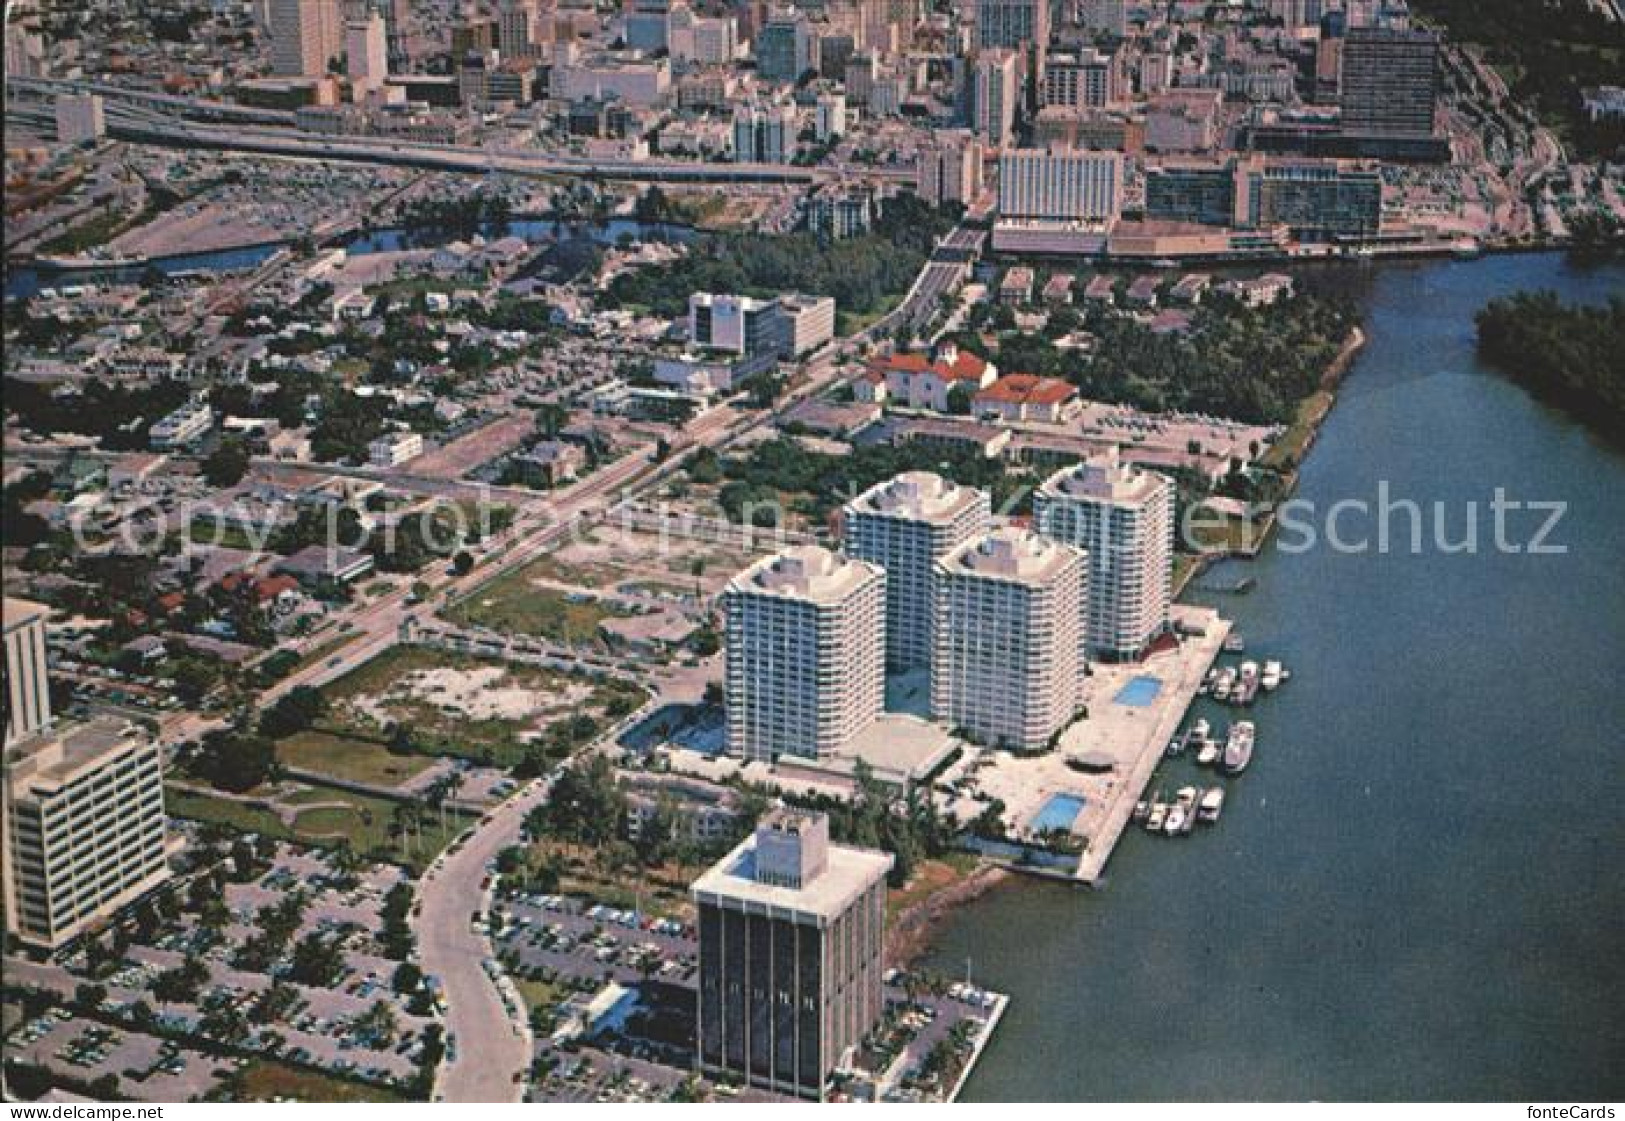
[493, 1048]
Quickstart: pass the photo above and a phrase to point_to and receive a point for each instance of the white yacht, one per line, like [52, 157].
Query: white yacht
[1238, 747]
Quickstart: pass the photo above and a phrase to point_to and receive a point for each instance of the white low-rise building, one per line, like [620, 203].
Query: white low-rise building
[394, 448]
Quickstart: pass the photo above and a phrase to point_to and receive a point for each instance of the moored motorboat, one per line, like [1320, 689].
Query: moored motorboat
[1271, 680]
[1154, 820]
[1238, 747]
[1211, 805]
[1209, 753]
[1175, 822]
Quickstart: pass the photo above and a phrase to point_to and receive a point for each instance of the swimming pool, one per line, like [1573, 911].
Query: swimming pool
[1139, 692]
[1058, 813]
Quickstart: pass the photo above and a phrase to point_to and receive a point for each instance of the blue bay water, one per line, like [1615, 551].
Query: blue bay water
[1416, 892]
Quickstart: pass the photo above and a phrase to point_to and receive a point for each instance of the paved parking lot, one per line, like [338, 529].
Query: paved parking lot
[151, 1068]
[583, 948]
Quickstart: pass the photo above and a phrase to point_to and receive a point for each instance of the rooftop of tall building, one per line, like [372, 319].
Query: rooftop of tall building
[1011, 554]
[1105, 477]
[806, 572]
[917, 496]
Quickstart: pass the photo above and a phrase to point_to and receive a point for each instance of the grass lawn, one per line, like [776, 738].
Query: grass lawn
[335, 815]
[409, 287]
[265, 1080]
[348, 758]
[89, 234]
[224, 811]
[1289, 449]
[540, 995]
[930, 876]
[514, 604]
[205, 530]
[850, 323]
[661, 891]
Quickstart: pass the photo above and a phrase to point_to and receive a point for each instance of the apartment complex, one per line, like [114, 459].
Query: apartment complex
[995, 94]
[805, 653]
[764, 133]
[1060, 184]
[1317, 200]
[1123, 517]
[906, 525]
[1010, 656]
[791, 954]
[950, 169]
[1390, 81]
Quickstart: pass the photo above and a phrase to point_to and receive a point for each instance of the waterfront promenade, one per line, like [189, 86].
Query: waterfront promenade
[1181, 677]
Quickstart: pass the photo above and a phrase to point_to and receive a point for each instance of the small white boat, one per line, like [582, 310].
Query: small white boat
[1154, 820]
[1272, 678]
[1175, 746]
[1212, 804]
[1141, 811]
[1186, 798]
[1198, 733]
[1225, 682]
[1238, 747]
[1235, 644]
[1209, 753]
[1175, 822]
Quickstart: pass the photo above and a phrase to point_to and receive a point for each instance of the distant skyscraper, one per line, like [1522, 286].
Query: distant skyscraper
[1123, 517]
[994, 95]
[1012, 24]
[1009, 640]
[366, 54]
[806, 649]
[1060, 184]
[28, 695]
[906, 525]
[397, 21]
[950, 168]
[784, 48]
[519, 29]
[791, 954]
[306, 35]
[1089, 79]
[764, 133]
[1390, 81]
[1109, 16]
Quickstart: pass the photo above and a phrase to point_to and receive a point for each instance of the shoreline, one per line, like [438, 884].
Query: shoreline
[913, 933]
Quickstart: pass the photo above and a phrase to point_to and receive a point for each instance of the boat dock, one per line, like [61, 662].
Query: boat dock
[1198, 655]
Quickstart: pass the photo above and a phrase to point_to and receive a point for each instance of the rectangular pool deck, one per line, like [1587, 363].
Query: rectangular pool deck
[1106, 759]
[1181, 676]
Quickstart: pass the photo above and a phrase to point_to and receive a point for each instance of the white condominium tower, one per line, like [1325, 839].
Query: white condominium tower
[1124, 517]
[28, 694]
[1010, 657]
[905, 525]
[805, 653]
